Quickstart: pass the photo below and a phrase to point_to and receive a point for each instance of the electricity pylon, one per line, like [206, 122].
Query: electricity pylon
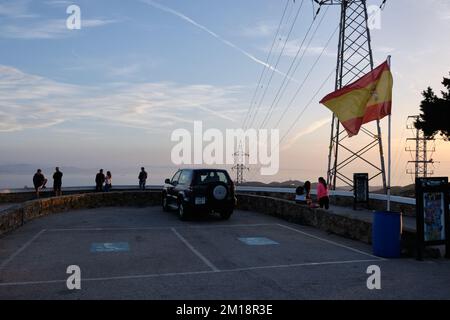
[422, 158]
[239, 166]
[354, 59]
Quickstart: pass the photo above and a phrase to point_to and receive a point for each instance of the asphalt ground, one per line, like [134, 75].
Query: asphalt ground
[145, 253]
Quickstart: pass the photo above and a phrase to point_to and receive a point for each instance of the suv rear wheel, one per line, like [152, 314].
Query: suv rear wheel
[226, 214]
[165, 205]
[183, 213]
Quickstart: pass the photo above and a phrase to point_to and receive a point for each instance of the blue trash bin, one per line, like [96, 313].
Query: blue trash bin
[386, 234]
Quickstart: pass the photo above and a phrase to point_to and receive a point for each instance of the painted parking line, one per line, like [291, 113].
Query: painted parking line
[163, 227]
[331, 242]
[195, 251]
[172, 274]
[22, 248]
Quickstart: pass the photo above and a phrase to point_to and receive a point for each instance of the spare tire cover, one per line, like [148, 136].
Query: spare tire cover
[219, 192]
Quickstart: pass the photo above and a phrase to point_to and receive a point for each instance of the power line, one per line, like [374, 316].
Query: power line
[276, 64]
[308, 104]
[266, 63]
[283, 87]
[306, 78]
[301, 114]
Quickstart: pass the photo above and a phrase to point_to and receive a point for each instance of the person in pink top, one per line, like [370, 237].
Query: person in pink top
[322, 194]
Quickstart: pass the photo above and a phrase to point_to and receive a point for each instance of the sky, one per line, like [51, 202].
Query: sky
[111, 93]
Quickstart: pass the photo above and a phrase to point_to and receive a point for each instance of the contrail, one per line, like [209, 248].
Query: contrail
[313, 127]
[215, 35]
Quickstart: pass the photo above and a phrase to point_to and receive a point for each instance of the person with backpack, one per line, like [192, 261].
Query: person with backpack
[304, 194]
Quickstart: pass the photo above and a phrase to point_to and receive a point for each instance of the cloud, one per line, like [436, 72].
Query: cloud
[125, 70]
[48, 29]
[385, 50]
[215, 35]
[262, 29]
[57, 3]
[310, 129]
[29, 101]
[16, 9]
[292, 46]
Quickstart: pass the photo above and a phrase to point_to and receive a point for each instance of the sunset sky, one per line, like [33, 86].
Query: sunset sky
[110, 94]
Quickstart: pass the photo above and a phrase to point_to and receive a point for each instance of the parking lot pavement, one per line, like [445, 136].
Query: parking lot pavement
[145, 253]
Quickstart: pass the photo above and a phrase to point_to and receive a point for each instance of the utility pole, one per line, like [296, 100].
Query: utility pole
[422, 152]
[239, 164]
[354, 59]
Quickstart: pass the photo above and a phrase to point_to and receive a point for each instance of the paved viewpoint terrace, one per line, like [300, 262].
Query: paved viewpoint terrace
[145, 253]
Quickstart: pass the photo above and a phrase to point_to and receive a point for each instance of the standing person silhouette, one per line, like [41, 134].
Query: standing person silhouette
[99, 180]
[322, 194]
[57, 182]
[142, 178]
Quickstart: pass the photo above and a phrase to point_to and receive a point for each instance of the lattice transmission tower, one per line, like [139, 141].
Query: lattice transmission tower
[422, 151]
[239, 164]
[354, 59]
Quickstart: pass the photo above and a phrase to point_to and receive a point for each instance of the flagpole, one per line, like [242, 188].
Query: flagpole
[389, 153]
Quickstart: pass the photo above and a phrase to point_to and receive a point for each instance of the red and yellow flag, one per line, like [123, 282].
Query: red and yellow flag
[368, 98]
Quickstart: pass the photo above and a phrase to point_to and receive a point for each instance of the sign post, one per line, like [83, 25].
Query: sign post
[360, 189]
[432, 214]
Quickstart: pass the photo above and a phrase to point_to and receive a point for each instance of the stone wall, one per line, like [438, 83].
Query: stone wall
[380, 205]
[18, 197]
[319, 218]
[20, 214]
[296, 213]
[408, 210]
[377, 205]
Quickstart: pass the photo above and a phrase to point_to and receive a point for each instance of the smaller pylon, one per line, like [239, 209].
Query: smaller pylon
[239, 164]
[422, 152]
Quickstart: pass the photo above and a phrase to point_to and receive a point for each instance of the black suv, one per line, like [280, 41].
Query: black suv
[196, 191]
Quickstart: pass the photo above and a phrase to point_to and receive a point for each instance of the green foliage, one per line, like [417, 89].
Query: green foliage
[435, 112]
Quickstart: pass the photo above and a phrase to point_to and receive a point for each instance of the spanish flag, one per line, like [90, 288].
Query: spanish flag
[368, 98]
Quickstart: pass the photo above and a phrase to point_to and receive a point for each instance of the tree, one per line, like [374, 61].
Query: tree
[435, 112]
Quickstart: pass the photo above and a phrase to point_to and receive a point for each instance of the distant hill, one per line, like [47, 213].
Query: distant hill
[406, 191]
[25, 168]
[275, 184]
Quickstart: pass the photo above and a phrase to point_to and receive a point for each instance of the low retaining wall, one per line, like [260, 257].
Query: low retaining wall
[17, 215]
[282, 193]
[28, 195]
[296, 213]
[328, 221]
[377, 205]
[343, 201]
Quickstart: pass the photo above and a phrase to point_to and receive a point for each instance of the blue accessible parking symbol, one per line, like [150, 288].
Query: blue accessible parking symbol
[258, 241]
[110, 247]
